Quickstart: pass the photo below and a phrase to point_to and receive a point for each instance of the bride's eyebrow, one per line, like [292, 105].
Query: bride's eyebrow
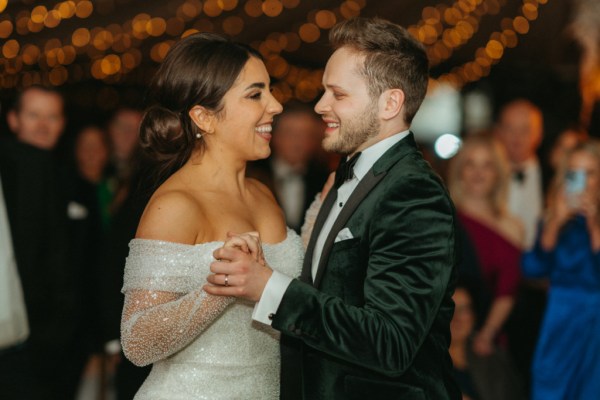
[257, 85]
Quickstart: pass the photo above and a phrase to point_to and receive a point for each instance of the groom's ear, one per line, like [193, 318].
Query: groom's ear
[391, 103]
[204, 119]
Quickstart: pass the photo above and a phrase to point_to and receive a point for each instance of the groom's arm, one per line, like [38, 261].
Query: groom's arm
[411, 242]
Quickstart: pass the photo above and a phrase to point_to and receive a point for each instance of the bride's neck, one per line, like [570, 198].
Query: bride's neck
[220, 172]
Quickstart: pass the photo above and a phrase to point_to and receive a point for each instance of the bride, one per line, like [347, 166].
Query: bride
[213, 113]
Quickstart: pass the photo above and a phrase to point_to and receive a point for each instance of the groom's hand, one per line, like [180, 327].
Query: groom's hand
[240, 270]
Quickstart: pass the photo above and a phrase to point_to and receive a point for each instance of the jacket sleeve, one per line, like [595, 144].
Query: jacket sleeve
[411, 257]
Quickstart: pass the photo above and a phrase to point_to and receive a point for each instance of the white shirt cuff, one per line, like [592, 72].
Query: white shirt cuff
[267, 306]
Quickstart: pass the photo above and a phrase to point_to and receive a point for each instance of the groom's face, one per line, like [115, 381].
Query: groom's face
[350, 113]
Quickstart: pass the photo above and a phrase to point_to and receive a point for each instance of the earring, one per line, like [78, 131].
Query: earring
[198, 136]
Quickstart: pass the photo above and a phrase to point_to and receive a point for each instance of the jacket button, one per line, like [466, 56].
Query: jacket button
[271, 316]
[292, 328]
[298, 332]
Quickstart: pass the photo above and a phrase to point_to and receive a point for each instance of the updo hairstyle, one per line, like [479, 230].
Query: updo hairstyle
[198, 70]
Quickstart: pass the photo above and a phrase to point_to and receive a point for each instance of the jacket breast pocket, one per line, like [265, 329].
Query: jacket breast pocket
[345, 272]
[358, 388]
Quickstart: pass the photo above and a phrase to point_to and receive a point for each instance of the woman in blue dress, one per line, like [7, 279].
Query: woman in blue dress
[567, 359]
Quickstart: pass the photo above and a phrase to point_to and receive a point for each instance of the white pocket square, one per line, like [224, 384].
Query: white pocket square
[344, 234]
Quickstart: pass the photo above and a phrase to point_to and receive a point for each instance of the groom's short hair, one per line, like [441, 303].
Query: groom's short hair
[394, 59]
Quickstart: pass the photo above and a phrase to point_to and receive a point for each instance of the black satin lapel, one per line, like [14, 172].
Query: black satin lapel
[362, 190]
[306, 275]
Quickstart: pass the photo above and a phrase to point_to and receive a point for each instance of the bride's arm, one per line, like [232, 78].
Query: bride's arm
[157, 324]
[163, 312]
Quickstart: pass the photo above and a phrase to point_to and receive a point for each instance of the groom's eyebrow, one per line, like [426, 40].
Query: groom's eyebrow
[332, 86]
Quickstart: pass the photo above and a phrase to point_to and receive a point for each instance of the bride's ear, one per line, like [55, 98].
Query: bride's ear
[203, 119]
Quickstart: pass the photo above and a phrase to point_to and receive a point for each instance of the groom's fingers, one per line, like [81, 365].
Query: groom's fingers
[223, 290]
[222, 279]
[223, 267]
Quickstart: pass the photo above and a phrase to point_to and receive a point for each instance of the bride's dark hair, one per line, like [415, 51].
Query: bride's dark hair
[198, 70]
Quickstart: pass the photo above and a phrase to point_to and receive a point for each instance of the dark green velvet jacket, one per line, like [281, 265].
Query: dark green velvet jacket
[375, 322]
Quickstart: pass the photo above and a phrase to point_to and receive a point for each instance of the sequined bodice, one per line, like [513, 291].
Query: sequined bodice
[227, 355]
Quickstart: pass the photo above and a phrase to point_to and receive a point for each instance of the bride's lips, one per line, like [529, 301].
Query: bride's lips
[264, 131]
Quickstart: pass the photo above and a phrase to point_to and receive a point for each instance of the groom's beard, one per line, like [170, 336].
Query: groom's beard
[354, 132]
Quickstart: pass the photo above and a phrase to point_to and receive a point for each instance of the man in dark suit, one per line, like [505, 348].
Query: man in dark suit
[294, 173]
[369, 317]
[38, 367]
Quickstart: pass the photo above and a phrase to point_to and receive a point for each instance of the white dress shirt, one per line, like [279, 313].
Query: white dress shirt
[525, 199]
[278, 283]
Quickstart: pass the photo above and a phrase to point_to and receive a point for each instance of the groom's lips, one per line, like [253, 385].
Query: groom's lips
[331, 126]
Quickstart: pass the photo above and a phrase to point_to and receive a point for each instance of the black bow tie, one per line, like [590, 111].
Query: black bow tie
[345, 170]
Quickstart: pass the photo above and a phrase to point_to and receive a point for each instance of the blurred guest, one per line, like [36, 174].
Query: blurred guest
[519, 129]
[121, 192]
[294, 173]
[478, 182]
[123, 131]
[92, 156]
[566, 141]
[567, 357]
[90, 153]
[480, 378]
[45, 364]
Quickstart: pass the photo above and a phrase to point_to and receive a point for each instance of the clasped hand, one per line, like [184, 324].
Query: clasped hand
[240, 269]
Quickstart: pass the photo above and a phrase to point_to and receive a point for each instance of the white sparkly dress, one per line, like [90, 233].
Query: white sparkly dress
[202, 346]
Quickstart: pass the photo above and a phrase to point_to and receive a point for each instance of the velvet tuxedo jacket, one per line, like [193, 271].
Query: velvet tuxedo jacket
[374, 324]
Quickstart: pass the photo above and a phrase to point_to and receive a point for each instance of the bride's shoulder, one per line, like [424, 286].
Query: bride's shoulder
[172, 216]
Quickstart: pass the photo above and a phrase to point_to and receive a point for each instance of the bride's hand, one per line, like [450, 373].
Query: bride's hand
[248, 242]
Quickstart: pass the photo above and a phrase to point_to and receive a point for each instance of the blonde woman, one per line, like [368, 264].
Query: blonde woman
[478, 180]
[566, 364]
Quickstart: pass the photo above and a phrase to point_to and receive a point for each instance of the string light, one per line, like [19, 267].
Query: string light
[494, 49]
[462, 20]
[126, 37]
[442, 28]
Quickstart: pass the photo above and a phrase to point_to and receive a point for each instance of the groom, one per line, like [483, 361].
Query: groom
[369, 317]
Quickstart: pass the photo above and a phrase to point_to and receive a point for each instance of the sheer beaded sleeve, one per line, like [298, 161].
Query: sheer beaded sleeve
[165, 306]
[309, 219]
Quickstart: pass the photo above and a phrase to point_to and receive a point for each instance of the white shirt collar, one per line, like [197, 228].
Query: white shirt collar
[371, 154]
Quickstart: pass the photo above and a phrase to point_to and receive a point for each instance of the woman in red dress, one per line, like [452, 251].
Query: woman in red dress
[478, 182]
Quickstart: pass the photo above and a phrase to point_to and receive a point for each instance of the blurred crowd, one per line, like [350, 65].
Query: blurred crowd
[525, 324]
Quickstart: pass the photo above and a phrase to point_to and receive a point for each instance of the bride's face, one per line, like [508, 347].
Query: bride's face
[244, 125]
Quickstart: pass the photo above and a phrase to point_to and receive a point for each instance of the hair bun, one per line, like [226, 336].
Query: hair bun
[161, 134]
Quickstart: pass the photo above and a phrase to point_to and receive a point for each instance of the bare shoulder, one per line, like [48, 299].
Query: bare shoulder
[513, 229]
[172, 215]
